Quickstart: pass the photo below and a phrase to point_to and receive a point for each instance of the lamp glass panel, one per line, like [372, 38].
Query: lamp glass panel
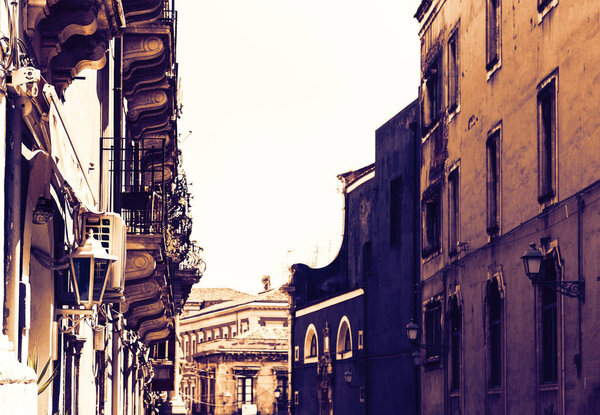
[534, 264]
[81, 269]
[100, 271]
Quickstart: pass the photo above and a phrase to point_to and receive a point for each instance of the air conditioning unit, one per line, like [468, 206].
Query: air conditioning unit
[111, 231]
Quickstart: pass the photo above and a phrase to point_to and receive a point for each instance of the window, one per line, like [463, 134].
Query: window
[453, 212]
[455, 318]
[546, 101]
[282, 401]
[193, 344]
[186, 346]
[311, 345]
[344, 340]
[367, 260]
[433, 330]
[296, 398]
[493, 31]
[395, 211]
[432, 95]
[431, 211]
[545, 5]
[493, 182]
[453, 72]
[494, 309]
[549, 325]
[244, 390]
[360, 340]
[296, 353]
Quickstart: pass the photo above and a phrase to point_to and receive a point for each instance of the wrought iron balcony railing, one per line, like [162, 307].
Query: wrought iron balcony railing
[137, 187]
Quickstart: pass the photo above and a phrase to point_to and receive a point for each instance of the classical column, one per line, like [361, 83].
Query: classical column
[175, 405]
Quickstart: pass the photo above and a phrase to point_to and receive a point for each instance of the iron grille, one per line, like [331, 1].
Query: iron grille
[136, 170]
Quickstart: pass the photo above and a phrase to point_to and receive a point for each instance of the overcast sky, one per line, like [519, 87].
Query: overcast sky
[281, 96]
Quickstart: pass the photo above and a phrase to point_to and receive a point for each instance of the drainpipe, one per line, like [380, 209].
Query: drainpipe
[118, 123]
[417, 244]
[116, 374]
[580, 209]
[12, 244]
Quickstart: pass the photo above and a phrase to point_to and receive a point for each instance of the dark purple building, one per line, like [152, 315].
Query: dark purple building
[350, 353]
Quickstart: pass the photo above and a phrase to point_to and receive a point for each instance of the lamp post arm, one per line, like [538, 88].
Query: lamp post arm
[573, 289]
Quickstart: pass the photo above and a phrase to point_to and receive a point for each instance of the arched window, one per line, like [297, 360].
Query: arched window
[311, 345]
[344, 340]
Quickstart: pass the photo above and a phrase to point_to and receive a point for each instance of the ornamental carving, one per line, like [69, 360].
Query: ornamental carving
[68, 37]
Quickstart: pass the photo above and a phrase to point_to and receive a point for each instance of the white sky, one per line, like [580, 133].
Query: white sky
[282, 96]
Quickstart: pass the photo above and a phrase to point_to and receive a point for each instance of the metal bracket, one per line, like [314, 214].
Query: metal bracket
[573, 289]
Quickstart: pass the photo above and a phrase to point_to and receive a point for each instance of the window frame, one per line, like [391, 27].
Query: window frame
[551, 260]
[453, 210]
[548, 140]
[453, 84]
[495, 332]
[493, 151]
[432, 94]
[493, 35]
[433, 332]
[244, 390]
[311, 332]
[455, 343]
[431, 202]
[344, 328]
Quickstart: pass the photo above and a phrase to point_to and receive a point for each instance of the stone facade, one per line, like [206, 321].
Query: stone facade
[509, 157]
[71, 169]
[235, 352]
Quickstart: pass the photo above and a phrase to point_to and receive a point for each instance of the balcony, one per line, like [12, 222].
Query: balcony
[138, 180]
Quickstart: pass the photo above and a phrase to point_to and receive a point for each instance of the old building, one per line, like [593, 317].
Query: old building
[235, 347]
[350, 354]
[509, 157]
[95, 211]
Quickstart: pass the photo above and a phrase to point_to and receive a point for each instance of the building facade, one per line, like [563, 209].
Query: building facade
[350, 354]
[509, 157]
[95, 211]
[235, 349]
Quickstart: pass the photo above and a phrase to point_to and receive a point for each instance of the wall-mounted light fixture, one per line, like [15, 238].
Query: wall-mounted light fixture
[532, 261]
[412, 333]
[89, 265]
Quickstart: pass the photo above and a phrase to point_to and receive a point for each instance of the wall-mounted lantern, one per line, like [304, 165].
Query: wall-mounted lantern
[89, 265]
[532, 261]
[348, 375]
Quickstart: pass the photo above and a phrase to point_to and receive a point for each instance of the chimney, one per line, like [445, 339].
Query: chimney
[266, 282]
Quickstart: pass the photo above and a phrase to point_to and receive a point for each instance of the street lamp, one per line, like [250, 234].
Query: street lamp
[532, 261]
[348, 376]
[89, 265]
[416, 355]
[412, 331]
[277, 393]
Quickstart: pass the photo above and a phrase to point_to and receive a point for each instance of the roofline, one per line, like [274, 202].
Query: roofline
[262, 305]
